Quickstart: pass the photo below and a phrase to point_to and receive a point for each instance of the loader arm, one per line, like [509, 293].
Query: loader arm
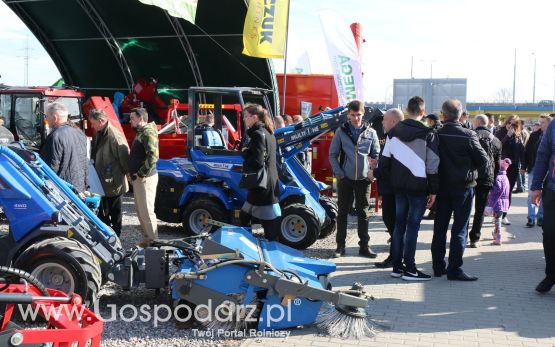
[57, 199]
[294, 139]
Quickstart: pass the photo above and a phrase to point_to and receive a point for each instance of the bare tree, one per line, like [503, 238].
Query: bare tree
[504, 95]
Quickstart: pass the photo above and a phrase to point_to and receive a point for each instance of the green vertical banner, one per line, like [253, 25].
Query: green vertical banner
[186, 9]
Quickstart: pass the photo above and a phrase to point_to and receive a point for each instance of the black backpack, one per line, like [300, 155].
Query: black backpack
[487, 143]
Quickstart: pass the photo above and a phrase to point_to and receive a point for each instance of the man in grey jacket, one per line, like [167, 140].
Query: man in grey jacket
[355, 143]
[65, 148]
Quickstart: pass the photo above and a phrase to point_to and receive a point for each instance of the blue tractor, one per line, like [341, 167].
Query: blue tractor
[237, 277]
[204, 186]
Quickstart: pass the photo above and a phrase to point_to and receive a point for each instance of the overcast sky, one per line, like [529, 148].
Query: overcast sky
[473, 39]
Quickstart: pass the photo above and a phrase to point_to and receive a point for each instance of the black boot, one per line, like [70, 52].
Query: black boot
[339, 252]
[545, 285]
[384, 264]
[365, 251]
[530, 223]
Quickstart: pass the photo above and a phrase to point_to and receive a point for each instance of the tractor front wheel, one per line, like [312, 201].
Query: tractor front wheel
[63, 264]
[299, 226]
[197, 213]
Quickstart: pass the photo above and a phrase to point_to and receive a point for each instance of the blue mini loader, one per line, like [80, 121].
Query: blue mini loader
[240, 280]
[204, 186]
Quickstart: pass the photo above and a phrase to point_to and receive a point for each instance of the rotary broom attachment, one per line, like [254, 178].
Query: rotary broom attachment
[345, 321]
[235, 280]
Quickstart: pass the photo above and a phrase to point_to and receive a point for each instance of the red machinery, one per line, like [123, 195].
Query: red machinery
[320, 91]
[321, 168]
[145, 92]
[172, 119]
[317, 89]
[23, 110]
[68, 321]
[104, 104]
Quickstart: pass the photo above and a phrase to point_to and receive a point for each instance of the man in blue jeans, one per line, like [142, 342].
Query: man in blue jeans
[410, 162]
[462, 161]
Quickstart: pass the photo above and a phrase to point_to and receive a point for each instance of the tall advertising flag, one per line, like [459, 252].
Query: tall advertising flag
[186, 9]
[265, 30]
[344, 58]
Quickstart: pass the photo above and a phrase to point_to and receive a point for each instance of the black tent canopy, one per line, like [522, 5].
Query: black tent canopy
[103, 46]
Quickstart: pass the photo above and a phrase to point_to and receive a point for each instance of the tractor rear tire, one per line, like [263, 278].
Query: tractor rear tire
[197, 211]
[330, 206]
[63, 264]
[299, 226]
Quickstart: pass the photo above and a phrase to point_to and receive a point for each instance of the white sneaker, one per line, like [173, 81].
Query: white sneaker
[506, 221]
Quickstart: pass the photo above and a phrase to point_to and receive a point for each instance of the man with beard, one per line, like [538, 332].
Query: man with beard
[110, 153]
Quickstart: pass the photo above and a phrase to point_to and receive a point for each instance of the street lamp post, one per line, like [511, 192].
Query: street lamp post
[387, 94]
[514, 80]
[554, 90]
[431, 66]
[534, 87]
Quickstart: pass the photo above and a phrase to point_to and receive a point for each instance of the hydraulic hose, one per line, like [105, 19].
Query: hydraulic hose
[229, 262]
[5, 270]
[22, 165]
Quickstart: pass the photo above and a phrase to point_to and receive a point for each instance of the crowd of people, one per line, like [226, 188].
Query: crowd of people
[447, 164]
[65, 151]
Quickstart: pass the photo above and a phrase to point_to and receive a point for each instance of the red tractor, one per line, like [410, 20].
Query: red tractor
[23, 109]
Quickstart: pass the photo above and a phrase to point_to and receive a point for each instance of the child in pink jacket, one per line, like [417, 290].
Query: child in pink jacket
[498, 201]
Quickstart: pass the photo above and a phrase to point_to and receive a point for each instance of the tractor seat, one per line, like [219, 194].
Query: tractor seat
[207, 136]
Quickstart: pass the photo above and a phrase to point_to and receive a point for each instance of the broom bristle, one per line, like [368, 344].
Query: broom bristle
[337, 324]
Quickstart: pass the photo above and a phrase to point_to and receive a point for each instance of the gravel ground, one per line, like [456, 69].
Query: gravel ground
[137, 333]
[124, 332]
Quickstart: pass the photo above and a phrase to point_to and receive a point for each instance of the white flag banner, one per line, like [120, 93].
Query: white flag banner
[186, 9]
[344, 58]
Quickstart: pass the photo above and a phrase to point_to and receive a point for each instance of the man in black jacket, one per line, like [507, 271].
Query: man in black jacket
[530, 151]
[492, 147]
[385, 190]
[410, 161]
[433, 122]
[65, 148]
[462, 161]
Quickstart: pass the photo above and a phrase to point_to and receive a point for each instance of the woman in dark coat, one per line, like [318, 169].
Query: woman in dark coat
[262, 203]
[513, 142]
